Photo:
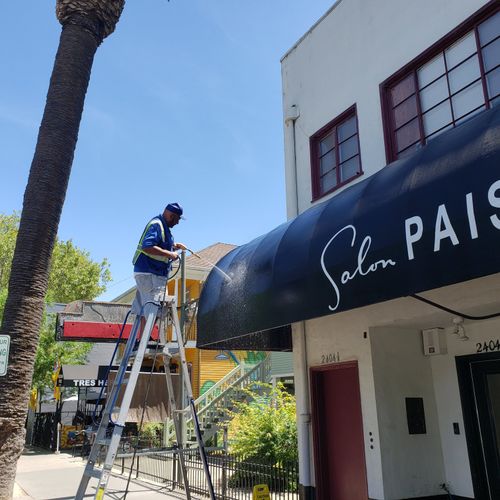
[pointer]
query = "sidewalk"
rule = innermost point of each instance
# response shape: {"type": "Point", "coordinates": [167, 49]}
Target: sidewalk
{"type": "Point", "coordinates": [42, 475]}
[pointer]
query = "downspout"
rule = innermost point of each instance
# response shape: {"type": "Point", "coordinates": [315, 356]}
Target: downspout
{"type": "Point", "coordinates": [299, 329]}
{"type": "Point", "coordinates": [292, 201]}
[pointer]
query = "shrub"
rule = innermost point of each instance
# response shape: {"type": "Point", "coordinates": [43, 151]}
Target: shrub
{"type": "Point", "coordinates": [151, 434]}
{"type": "Point", "coordinates": [263, 429]}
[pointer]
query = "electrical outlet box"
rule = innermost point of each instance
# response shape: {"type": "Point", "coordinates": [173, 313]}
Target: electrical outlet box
{"type": "Point", "coordinates": [434, 341]}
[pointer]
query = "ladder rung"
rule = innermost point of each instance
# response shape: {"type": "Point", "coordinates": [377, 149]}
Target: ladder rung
{"type": "Point", "coordinates": [93, 473]}
{"type": "Point", "coordinates": [174, 346]}
{"type": "Point", "coordinates": [104, 441]}
{"type": "Point", "coordinates": [150, 351]}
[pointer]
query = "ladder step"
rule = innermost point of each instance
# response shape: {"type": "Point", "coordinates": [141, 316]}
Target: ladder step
{"type": "Point", "coordinates": [104, 442]}
{"type": "Point", "coordinates": [93, 473]}
{"type": "Point", "coordinates": [173, 348]}
{"type": "Point", "coordinates": [150, 351]}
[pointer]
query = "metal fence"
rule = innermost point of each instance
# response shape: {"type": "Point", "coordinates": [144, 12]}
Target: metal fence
{"type": "Point", "coordinates": [44, 433]}
{"type": "Point", "coordinates": [233, 477]}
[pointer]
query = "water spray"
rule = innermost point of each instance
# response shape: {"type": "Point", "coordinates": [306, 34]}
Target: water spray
{"type": "Point", "coordinates": [211, 263]}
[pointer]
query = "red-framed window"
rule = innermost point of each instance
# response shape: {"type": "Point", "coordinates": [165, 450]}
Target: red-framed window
{"type": "Point", "coordinates": [335, 156]}
{"type": "Point", "coordinates": [449, 83]}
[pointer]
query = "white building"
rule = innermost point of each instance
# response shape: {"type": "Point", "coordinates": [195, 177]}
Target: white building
{"type": "Point", "coordinates": [392, 142]}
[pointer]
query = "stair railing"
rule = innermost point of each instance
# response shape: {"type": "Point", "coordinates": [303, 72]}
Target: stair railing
{"type": "Point", "coordinates": [205, 399]}
{"type": "Point", "coordinates": [215, 411]}
{"type": "Point", "coordinates": [221, 395]}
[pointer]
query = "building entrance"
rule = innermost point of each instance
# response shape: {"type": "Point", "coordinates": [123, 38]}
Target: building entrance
{"type": "Point", "coordinates": [479, 380]}
{"type": "Point", "coordinates": [338, 433]}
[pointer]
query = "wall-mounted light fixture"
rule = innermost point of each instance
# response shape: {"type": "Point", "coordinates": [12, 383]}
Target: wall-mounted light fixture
{"type": "Point", "coordinates": [459, 329]}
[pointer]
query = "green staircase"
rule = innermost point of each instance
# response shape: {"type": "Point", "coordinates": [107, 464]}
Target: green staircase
{"type": "Point", "coordinates": [212, 407]}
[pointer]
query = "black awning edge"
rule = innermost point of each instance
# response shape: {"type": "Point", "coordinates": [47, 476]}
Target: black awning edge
{"type": "Point", "coordinates": [276, 339]}
{"type": "Point", "coordinates": [423, 222]}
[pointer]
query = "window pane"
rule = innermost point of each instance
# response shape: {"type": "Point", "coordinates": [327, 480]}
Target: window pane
{"type": "Point", "coordinates": [346, 129]}
{"type": "Point", "coordinates": [470, 115]}
{"type": "Point", "coordinates": [468, 99]}
{"type": "Point", "coordinates": [460, 50]}
{"type": "Point", "coordinates": [327, 162]}
{"type": "Point", "coordinates": [407, 135]}
{"type": "Point", "coordinates": [490, 29]}
{"type": "Point", "coordinates": [349, 169]}
{"type": "Point", "coordinates": [439, 132]}
{"type": "Point", "coordinates": [433, 94]}
{"type": "Point", "coordinates": [430, 71]}
{"type": "Point", "coordinates": [493, 384]}
{"type": "Point", "coordinates": [464, 74]}
{"type": "Point", "coordinates": [491, 55]}
{"type": "Point", "coordinates": [496, 101]}
{"type": "Point", "coordinates": [437, 118]}
{"type": "Point", "coordinates": [493, 83]}
{"type": "Point", "coordinates": [405, 111]}
{"type": "Point", "coordinates": [326, 144]}
{"type": "Point", "coordinates": [403, 89]}
{"type": "Point", "coordinates": [348, 148]}
{"type": "Point", "coordinates": [409, 150]}
{"type": "Point", "coordinates": [328, 181]}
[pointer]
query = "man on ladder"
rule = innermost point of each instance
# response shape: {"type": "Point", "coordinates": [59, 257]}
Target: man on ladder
{"type": "Point", "coordinates": [154, 256]}
{"type": "Point", "coordinates": [152, 262]}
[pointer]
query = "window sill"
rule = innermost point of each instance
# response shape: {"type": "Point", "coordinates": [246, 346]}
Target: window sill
{"type": "Point", "coordinates": [337, 187]}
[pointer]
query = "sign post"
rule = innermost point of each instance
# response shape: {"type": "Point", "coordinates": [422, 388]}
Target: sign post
{"type": "Point", "coordinates": [4, 354]}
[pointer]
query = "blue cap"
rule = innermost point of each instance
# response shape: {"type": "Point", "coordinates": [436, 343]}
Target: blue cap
{"type": "Point", "coordinates": [175, 208]}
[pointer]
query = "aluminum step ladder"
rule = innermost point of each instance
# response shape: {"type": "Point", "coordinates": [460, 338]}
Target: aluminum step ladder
{"type": "Point", "coordinates": [108, 435]}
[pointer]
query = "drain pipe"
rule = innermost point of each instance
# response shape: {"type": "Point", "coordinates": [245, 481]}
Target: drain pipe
{"type": "Point", "coordinates": [299, 329]}
{"type": "Point", "coordinates": [292, 198]}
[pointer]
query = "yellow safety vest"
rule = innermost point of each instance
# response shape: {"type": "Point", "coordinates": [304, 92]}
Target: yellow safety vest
{"type": "Point", "coordinates": [139, 250]}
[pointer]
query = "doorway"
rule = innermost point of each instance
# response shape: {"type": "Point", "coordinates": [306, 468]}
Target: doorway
{"type": "Point", "coordinates": [339, 451]}
{"type": "Point", "coordinates": [479, 381]}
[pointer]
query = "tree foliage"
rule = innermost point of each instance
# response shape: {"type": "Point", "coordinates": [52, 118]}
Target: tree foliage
{"type": "Point", "coordinates": [73, 276]}
{"type": "Point", "coordinates": [151, 434]}
{"type": "Point", "coordinates": [264, 428]}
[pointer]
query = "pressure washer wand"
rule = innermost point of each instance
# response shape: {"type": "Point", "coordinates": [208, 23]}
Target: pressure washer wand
{"type": "Point", "coordinates": [193, 253]}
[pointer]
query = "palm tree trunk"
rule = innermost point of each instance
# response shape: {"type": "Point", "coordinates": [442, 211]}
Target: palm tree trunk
{"type": "Point", "coordinates": [43, 201]}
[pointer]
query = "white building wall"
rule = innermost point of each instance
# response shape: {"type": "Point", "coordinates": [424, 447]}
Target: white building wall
{"type": "Point", "coordinates": [391, 367]}
{"type": "Point", "coordinates": [344, 339]}
{"type": "Point", "coordinates": [412, 465]}
{"type": "Point", "coordinates": [448, 400]}
{"type": "Point", "coordinates": [343, 60]}
{"type": "Point", "coordinates": [101, 353]}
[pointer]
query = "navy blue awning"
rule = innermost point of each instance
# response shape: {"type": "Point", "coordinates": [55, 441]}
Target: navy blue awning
{"type": "Point", "coordinates": [430, 220]}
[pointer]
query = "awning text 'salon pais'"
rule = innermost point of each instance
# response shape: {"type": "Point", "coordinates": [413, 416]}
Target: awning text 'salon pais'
{"type": "Point", "coordinates": [426, 221]}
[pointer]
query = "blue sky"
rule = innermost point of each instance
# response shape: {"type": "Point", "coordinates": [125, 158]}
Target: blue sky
{"type": "Point", "coordinates": [184, 105]}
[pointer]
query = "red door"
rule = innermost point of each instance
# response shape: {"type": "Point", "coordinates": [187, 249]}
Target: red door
{"type": "Point", "coordinates": [338, 433]}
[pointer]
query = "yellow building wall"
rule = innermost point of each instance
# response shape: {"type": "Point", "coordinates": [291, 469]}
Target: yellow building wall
{"type": "Point", "coordinates": [212, 370]}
